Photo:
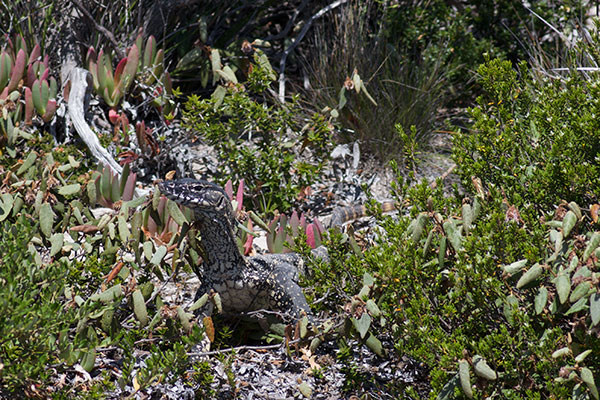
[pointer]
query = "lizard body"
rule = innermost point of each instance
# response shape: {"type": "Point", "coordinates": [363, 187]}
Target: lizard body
{"type": "Point", "coordinates": [243, 283]}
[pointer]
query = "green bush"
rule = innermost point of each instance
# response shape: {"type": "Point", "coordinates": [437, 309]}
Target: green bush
{"type": "Point", "coordinates": [538, 140]}
{"type": "Point", "coordinates": [33, 311]}
{"type": "Point", "coordinates": [448, 283]}
{"type": "Point", "coordinates": [263, 142]}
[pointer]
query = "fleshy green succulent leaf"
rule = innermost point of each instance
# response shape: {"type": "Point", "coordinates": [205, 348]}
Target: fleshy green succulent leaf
{"type": "Point", "coordinates": [175, 213]}
{"type": "Point", "coordinates": [88, 359]}
{"type": "Point", "coordinates": [129, 188]}
{"type": "Point", "coordinates": [123, 229]}
{"type": "Point", "coordinates": [575, 208]}
{"type": "Point", "coordinates": [29, 107]}
{"type": "Point", "coordinates": [111, 100]}
{"type": "Point", "coordinates": [467, 217]}
{"type": "Point", "coordinates": [109, 295]}
{"type": "Point", "coordinates": [53, 88]}
{"type": "Point", "coordinates": [582, 356]}
{"type": "Point", "coordinates": [167, 83]}
{"type": "Point", "coordinates": [45, 93]}
{"type": "Point", "coordinates": [149, 51]}
{"type": "Point", "coordinates": [123, 179]}
{"type": "Point", "coordinates": [133, 59]}
{"type": "Point", "coordinates": [294, 222]}
{"type": "Point", "coordinates": [56, 243]}
{"type": "Point", "coordinates": [442, 252]}
{"type": "Point", "coordinates": [115, 188]}
{"type": "Point", "coordinates": [158, 65]}
{"type": "Point", "coordinates": [5, 68]}
{"type": "Point", "coordinates": [18, 70]}
{"type": "Point", "coordinates": [139, 40]}
{"type": "Point", "coordinates": [50, 111]}
{"type": "Point", "coordinates": [36, 53]}
{"type": "Point", "coordinates": [418, 227]}
{"type": "Point", "coordinates": [239, 197]}
{"type": "Point", "coordinates": [118, 76]}
{"type": "Point", "coordinates": [105, 182]}
{"type": "Point", "coordinates": [6, 204]}
{"type": "Point", "coordinates": [157, 257]}
{"type": "Point", "coordinates": [268, 228]}
{"type": "Point", "coordinates": [201, 302]}
{"type": "Point", "coordinates": [69, 190]}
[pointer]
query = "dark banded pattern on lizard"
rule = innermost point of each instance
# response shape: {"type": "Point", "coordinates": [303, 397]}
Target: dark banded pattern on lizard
{"type": "Point", "coordinates": [342, 215]}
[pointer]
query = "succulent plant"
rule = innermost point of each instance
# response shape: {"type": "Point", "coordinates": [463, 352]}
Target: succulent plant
{"type": "Point", "coordinates": [43, 94]}
{"type": "Point", "coordinates": [106, 188]}
{"type": "Point", "coordinates": [151, 67]}
{"type": "Point", "coordinates": [283, 230]}
{"type": "Point", "coordinates": [24, 79]}
{"type": "Point", "coordinates": [11, 113]}
{"type": "Point", "coordinates": [112, 86]}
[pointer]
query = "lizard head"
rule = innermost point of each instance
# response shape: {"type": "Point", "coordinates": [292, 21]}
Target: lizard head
{"type": "Point", "coordinates": [204, 198]}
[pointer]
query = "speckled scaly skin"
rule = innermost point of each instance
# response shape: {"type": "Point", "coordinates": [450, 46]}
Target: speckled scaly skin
{"type": "Point", "coordinates": [243, 283]}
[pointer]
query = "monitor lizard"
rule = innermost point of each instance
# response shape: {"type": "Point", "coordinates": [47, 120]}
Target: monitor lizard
{"type": "Point", "coordinates": [244, 284]}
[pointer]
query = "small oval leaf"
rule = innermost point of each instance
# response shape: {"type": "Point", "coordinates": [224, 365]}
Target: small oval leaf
{"type": "Point", "coordinates": [540, 300]}
{"type": "Point", "coordinates": [563, 287]}
{"type": "Point", "coordinates": [465, 378]}
{"type": "Point", "coordinates": [482, 369]}
{"type": "Point", "coordinates": [595, 308]}
{"type": "Point", "coordinates": [568, 223]}
{"type": "Point", "coordinates": [69, 190]}
{"type": "Point", "coordinates": [514, 267]}
{"type": "Point", "coordinates": [531, 275]}
{"type": "Point", "coordinates": [139, 307]}
{"type": "Point", "coordinates": [46, 219]}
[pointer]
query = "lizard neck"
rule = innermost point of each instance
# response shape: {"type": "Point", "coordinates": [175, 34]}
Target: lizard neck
{"type": "Point", "coordinates": [218, 244]}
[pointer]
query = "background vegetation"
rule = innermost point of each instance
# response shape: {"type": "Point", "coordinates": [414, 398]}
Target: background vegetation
{"type": "Point", "coordinates": [493, 287]}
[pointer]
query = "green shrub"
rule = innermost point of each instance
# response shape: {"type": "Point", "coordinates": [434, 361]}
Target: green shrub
{"type": "Point", "coordinates": [536, 140]}
{"type": "Point", "coordinates": [452, 292]}
{"type": "Point", "coordinates": [265, 143]}
{"type": "Point", "coordinates": [33, 311]}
